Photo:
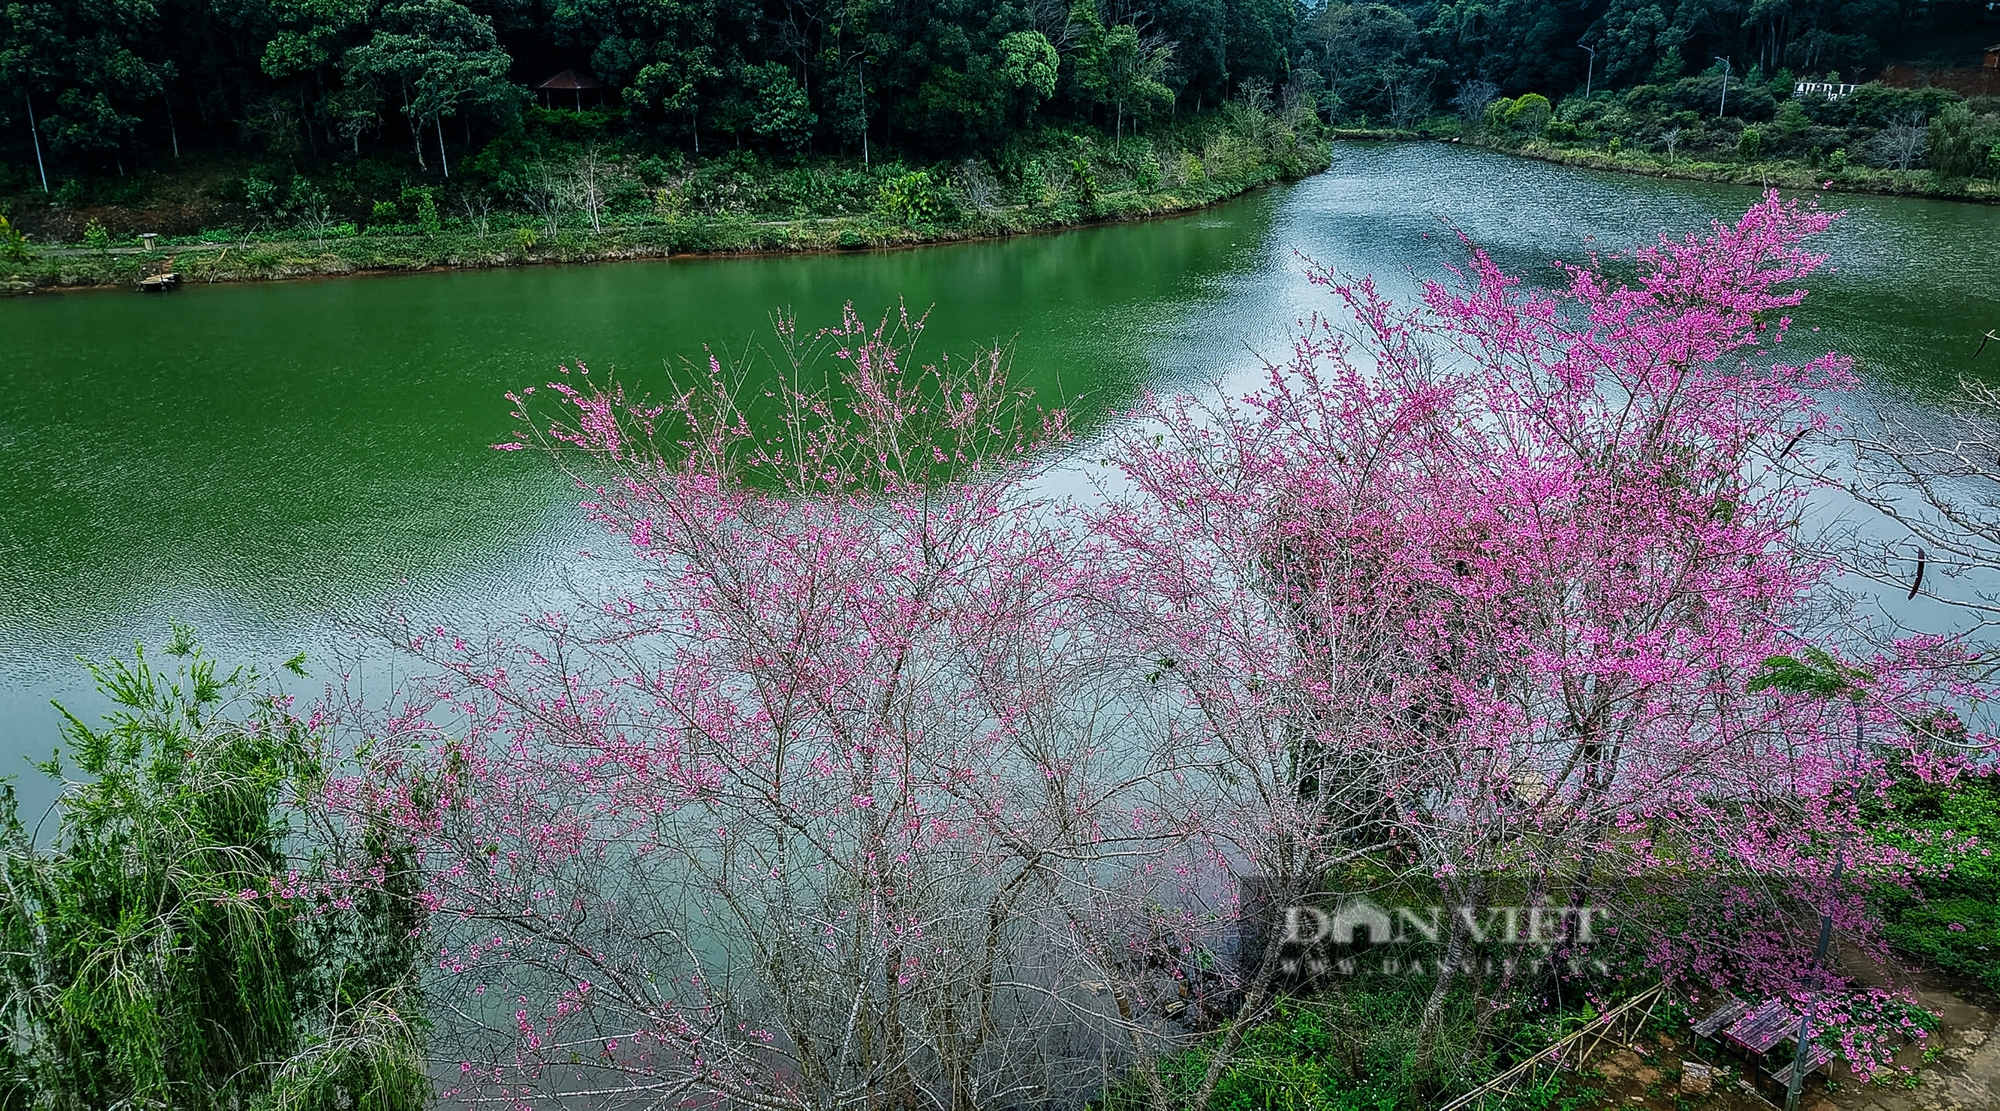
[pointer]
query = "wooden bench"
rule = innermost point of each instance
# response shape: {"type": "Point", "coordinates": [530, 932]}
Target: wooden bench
{"type": "Point", "coordinates": [1816, 1056]}
{"type": "Point", "coordinates": [1770, 1023]}
{"type": "Point", "coordinates": [1712, 1023]}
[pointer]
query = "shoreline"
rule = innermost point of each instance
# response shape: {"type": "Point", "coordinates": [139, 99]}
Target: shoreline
{"type": "Point", "coordinates": [1789, 176]}
{"type": "Point", "coordinates": [79, 269]}
{"type": "Point", "coordinates": [73, 269]}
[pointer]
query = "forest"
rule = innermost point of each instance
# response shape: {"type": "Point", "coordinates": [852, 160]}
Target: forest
{"type": "Point", "coordinates": [102, 88]}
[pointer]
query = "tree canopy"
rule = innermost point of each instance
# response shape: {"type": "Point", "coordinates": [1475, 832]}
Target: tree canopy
{"type": "Point", "coordinates": [117, 83]}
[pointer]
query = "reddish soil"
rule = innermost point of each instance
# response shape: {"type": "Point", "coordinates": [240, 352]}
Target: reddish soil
{"type": "Point", "coordinates": [1965, 80]}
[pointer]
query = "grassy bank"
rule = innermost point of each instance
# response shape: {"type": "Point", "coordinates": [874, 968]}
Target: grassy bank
{"type": "Point", "coordinates": [646, 207]}
{"type": "Point", "coordinates": [1787, 174]}
{"type": "Point", "coordinates": [1791, 175]}
{"type": "Point", "coordinates": [1909, 142]}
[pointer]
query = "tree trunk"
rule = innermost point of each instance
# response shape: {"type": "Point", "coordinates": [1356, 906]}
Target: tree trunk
{"type": "Point", "coordinates": [1454, 954]}
{"type": "Point", "coordinates": [1256, 997]}
{"type": "Point", "coordinates": [37, 133]}
{"type": "Point", "coordinates": [443, 163]}
{"type": "Point", "coordinates": [305, 121]}
{"type": "Point", "coordinates": [416, 130]}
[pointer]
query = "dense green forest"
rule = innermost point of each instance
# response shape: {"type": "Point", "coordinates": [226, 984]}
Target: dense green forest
{"type": "Point", "coordinates": [101, 87]}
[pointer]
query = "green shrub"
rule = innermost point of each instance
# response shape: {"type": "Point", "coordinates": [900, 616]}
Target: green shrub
{"type": "Point", "coordinates": [1877, 105]}
{"type": "Point", "coordinates": [149, 953]}
{"type": "Point", "coordinates": [13, 244]}
{"type": "Point", "coordinates": [1791, 121]}
{"type": "Point", "coordinates": [1953, 922]}
{"type": "Point", "coordinates": [95, 237]}
{"type": "Point", "coordinates": [917, 197]}
{"type": "Point", "coordinates": [1837, 161]}
{"type": "Point", "coordinates": [1749, 144]}
{"type": "Point", "coordinates": [259, 196]}
{"type": "Point", "coordinates": [1948, 147]}
{"type": "Point", "coordinates": [1147, 176]}
{"type": "Point", "coordinates": [1529, 114]}
{"type": "Point", "coordinates": [1645, 100]}
{"type": "Point", "coordinates": [427, 213]}
{"type": "Point", "coordinates": [1083, 180]}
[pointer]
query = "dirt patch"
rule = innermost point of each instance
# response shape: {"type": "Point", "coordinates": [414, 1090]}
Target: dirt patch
{"type": "Point", "coordinates": [183, 200]}
{"type": "Point", "coordinates": [1966, 81]}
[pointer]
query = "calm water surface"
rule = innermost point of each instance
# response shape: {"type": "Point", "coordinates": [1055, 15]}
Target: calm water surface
{"type": "Point", "coordinates": [272, 463]}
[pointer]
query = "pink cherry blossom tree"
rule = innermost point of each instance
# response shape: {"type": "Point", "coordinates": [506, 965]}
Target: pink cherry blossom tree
{"type": "Point", "coordinates": [885, 779]}
{"type": "Point", "coordinates": [831, 807]}
{"type": "Point", "coordinates": [1507, 582]}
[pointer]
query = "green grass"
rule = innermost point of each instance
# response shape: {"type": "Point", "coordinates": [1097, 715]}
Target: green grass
{"type": "Point", "coordinates": [1353, 1048]}
{"type": "Point", "coordinates": [1952, 922]}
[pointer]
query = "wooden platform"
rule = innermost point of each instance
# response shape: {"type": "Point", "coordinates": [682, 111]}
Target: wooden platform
{"type": "Point", "coordinates": [159, 283]}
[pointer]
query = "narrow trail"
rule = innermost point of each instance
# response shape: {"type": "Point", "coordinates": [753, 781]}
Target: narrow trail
{"type": "Point", "coordinates": [1958, 1069]}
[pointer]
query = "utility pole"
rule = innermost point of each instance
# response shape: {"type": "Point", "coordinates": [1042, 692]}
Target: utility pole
{"type": "Point", "coordinates": [1797, 1083]}
{"type": "Point", "coordinates": [37, 133]}
{"type": "Point", "coordinates": [1590, 73]}
{"type": "Point", "coordinates": [1726, 68]}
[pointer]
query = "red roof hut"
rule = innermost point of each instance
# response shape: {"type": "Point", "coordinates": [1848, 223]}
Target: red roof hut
{"type": "Point", "coordinates": [572, 82]}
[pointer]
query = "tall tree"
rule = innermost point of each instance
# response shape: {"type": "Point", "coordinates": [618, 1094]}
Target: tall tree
{"type": "Point", "coordinates": [85, 69]}
{"type": "Point", "coordinates": [442, 59]}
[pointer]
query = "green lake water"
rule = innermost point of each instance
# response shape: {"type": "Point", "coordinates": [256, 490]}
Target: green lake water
{"type": "Point", "coordinates": [273, 463]}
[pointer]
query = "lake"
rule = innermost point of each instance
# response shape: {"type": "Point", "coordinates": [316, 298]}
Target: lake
{"type": "Point", "coordinates": [275, 463]}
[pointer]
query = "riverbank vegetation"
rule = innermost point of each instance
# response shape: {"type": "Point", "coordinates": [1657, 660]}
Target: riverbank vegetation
{"type": "Point", "coordinates": [428, 132]}
{"type": "Point", "coordinates": [190, 926]}
{"type": "Point", "coordinates": [578, 195]}
{"type": "Point", "coordinates": [1927, 142]}
{"type": "Point", "coordinates": [1794, 96]}
{"type": "Point", "coordinates": [898, 124]}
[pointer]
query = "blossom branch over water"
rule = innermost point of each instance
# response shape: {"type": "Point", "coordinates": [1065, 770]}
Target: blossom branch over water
{"type": "Point", "coordinates": [894, 779]}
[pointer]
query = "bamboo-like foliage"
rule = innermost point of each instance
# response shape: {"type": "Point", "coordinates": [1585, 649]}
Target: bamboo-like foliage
{"type": "Point", "coordinates": [169, 944]}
